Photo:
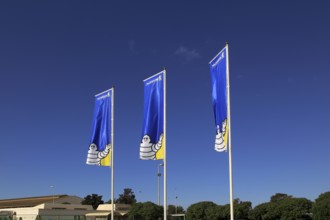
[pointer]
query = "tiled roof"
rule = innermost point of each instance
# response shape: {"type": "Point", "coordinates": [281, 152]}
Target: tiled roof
{"type": "Point", "coordinates": [28, 202]}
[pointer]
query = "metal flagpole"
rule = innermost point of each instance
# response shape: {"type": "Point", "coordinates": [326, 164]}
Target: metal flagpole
{"type": "Point", "coordinates": [112, 152]}
{"type": "Point", "coordinates": [229, 140]}
{"type": "Point", "coordinates": [165, 164]}
{"type": "Point", "coordinates": [159, 175]}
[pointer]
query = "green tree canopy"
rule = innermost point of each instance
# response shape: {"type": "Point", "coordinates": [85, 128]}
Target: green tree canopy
{"type": "Point", "coordinates": [295, 208]}
{"type": "Point", "coordinates": [128, 197]}
{"type": "Point", "coordinates": [242, 209]}
{"type": "Point", "coordinates": [201, 211]}
{"type": "Point", "coordinates": [145, 211]}
{"type": "Point", "coordinates": [93, 200]}
{"type": "Point", "coordinates": [172, 209]}
{"type": "Point", "coordinates": [282, 207]}
{"type": "Point", "coordinates": [217, 213]}
{"type": "Point", "coordinates": [211, 211]}
{"type": "Point", "coordinates": [259, 211]}
{"type": "Point", "coordinates": [321, 207]}
{"type": "Point", "coordinates": [279, 197]}
{"type": "Point", "coordinates": [135, 211]}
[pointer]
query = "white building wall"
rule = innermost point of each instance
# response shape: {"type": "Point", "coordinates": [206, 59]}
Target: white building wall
{"type": "Point", "coordinates": [24, 213]}
{"type": "Point", "coordinates": [52, 212]}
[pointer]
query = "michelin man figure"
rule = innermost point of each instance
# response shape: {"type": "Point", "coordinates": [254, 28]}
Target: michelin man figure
{"type": "Point", "coordinates": [148, 150]}
{"type": "Point", "coordinates": [94, 156]}
{"type": "Point", "coordinates": [220, 144]}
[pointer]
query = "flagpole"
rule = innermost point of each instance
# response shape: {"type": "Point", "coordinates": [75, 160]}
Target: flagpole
{"type": "Point", "coordinates": [165, 164]}
{"type": "Point", "coordinates": [229, 140]}
{"type": "Point", "coordinates": [112, 152]}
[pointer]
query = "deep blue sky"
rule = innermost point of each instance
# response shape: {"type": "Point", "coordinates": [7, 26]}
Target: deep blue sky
{"type": "Point", "coordinates": [56, 55]}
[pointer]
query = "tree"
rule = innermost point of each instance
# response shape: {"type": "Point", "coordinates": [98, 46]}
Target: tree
{"type": "Point", "coordinates": [201, 211]}
{"type": "Point", "coordinates": [109, 201]}
{"type": "Point", "coordinates": [224, 212]}
{"type": "Point", "coordinates": [279, 197]}
{"type": "Point", "coordinates": [282, 207]}
{"type": "Point", "coordinates": [128, 197]}
{"type": "Point", "coordinates": [321, 207]}
{"type": "Point", "coordinates": [216, 213]}
{"type": "Point", "coordinates": [273, 211]}
{"type": "Point", "coordinates": [172, 209]}
{"type": "Point", "coordinates": [180, 209]}
{"type": "Point", "coordinates": [145, 211]}
{"type": "Point", "coordinates": [135, 211]}
{"type": "Point", "coordinates": [259, 211]}
{"type": "Point", "coordinates": [93, 200]}
{"type": "Point", "coordinates": [295, 208]}
{"type": "Point", "coordinates": [242, 209]}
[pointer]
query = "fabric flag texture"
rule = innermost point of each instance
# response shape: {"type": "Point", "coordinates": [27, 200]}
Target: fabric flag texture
{"type": "Point", "coordinates": [99, 152]}
{"type": "Point", "coordinates": [219, 80]}
{"type": "Point", "coordinates": [152, 143]}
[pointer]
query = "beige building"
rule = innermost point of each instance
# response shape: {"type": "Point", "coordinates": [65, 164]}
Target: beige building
{"type": "Point", "coordinates": [103, 212]}
{"type": "Point", "coordinates": [57, 207]}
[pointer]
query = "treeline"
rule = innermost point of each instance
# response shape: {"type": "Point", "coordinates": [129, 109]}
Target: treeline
{"type": "Point", "coordinates": [280, 207]}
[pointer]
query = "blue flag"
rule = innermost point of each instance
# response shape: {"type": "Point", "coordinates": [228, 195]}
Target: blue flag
{"type": "Point", "coordinates": [152, 143]}
{"type": "Point", "coordinates": [99, 152]}
{"type": "Point", "coordinates": [219, 78]}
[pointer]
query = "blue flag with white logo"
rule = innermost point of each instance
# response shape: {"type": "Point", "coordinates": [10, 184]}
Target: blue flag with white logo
{"type": "Point", "coordinates": [219, 80]}
{"type": "Point", "coordinates": [152, 143]}
{"type": "Point", "coordinates": [99, 152]}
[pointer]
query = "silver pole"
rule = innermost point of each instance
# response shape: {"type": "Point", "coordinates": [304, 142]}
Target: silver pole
{"type": "Point", "coordinates": [159, 175]}
{"type": "Point", "coordinates": [229, 141]}
{"type": "Point", "coordinates": [112, 153]}
{"type": "Point", "coordinates": [165, 164]}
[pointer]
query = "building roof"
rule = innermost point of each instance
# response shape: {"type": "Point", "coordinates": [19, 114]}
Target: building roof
{"type": "Point", "coordinates": [29, 201]}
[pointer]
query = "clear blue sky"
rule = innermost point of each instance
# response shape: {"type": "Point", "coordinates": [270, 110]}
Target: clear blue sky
{"type": "Point", "coordinates": [56, 55]}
